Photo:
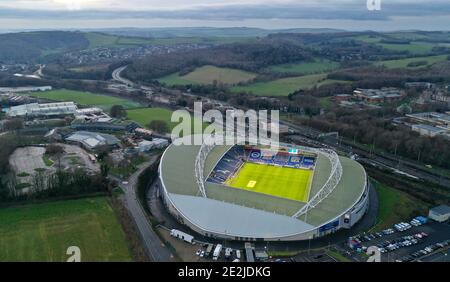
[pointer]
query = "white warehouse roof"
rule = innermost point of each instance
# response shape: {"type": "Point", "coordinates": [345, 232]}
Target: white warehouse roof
{"type": "Point", "coordinates": [47, 109]}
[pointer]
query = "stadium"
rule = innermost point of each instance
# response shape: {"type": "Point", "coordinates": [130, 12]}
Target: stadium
{"type": "Point", "coordinates": [253, 193]}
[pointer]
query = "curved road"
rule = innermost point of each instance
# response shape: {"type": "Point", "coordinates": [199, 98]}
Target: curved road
{"type": "Point", "coordinates": [116, 76]}
{"type": "Point", "coordinates": [154, 247]}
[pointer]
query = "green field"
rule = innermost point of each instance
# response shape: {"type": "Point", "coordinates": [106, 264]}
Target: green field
{"type": "Point", "coordinates": [285, 86]}
{"type": "Point", "coordinates": [84, 98]}
{"type": "Point", "coordinates": [43, 232]}
{"type": "Point", "coordinates": [144, 116]}
{"type": "Point", "coordinates": [395, 206]}
{"type": "Point", "coordinates": [306, 68]}
{"type": "Point", "coordinates": [414, 47]}
{"type": "Point", "coordinates": [403, 63]}
{"type": "Point", "coordinates": [282, 182]}
{"type": "Point", "coordinates": [207, 75]}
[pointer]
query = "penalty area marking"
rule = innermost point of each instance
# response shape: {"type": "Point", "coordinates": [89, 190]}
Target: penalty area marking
{"type": "Point", "coordinates": [251, 184]}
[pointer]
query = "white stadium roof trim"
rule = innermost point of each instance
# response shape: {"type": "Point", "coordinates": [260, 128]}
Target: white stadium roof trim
{"type": "Point", "coordinates": [242, 215]}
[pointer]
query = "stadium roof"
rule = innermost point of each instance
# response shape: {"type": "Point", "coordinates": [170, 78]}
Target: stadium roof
{"type": "Point", "coordinates": [230, 210]}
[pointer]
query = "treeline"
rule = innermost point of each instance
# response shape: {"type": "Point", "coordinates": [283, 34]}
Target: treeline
{"type": "Point", "coordinates": [245, 56]}
{"type": "Point", "coordinates": [145, 178]}
{"type": "Point", "coordinates": [60, 71]}
{"type": "Point", "coordinates": [376, 130]}
{"type": "Point", "coordinates": [60, 184]}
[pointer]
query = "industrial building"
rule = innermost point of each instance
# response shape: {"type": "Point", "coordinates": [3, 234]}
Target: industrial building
{"type": "Point", "coordinates": [430, 124]}
{"type": "Point", "coordinates": [440, 213]}
{"type": "Point", "coordinates": [92, 140]}
{"type": "Point", "coordinates": [155, 143]}
{"type": "Point", "coordinates": [25, 89]}
{"type": "Point", "coordinates": [376, 96]}
{"type": "Point", "coordinates": [47, 110]}
{"type": "Point", "coordinates": [428, 130]}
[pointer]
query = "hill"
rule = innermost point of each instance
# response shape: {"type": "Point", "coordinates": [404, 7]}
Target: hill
{"type": "Point", "coordinates": [27, 46]}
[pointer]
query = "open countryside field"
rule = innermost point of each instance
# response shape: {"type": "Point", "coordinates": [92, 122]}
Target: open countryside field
{"type": "Point", "coordinates": [43, 232]}
{"type": "Point", "coordinates": [282, 182]}
{"type": "Point", "coordinates": [320, 65]}
{"type": "Point", "coordinates": [84, 98]}
{"type": "Point", "coordinates": [413, 47]}
{"type": "Point", "coordinates": [403, 63]}
{"type": "Point", "coordinates": [207, 75]}
{"type": "Point", "coordinates": [285, 86]}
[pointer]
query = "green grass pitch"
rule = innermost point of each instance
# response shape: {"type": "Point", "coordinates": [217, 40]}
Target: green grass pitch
{"type": "Point", "coordinates": [44, 231]}
{"type": "Point", "coordinates": [282, 182]}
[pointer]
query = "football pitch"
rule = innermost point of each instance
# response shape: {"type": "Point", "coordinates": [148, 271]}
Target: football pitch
{"type": "Point", "coordinates": [44, 231]}
{"type": "Point", "coordinates": [282, 182]}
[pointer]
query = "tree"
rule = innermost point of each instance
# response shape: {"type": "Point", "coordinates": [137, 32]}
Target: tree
{"type": "Point", "coordinates": [13, 124]}
{"type": "Point", "coordinates": [158, 126]}
{"type": "Point", "coordinates": [54, 150]}
{"type": "Point", "coordinates": [118, 111]}
{"type": "Point", "coordinates": [104, 170]}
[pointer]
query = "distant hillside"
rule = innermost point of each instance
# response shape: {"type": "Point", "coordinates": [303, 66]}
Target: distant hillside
{"type": "Point", "coordinates": [30, 46]}
{"type": "Point", "coordinates": [209, 31]}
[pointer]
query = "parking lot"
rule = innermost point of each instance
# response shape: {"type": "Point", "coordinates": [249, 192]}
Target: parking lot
{"type": "Point", "coordinates": [435, 233]}
{"type": "Point", "coordinates": [442, 256]}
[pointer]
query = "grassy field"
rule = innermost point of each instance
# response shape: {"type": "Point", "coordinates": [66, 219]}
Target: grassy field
{"type": "Point", "coordinates": [43, 232]}
{"type": "Point", "coordinates": [403, 63]}
{"type": "Point", "coordinates": [282, 182]}
{"type": "Point", "coordinates": [306, 68]}
{"type": "Point", "coordinates": [47, 160]}
{"type": "Point", "coordinates": [144, 116]}
{"type": "Point", "coordinates": [395, 206]}
{"type": "Point", "coordinates": [207, 75]}
{"type": "Point", "coordinates": [97, 40]}
{"type": "Point", "coordinates": [414, 47]}
{"type": "Point", "coordinates": [285, 86]}
{"type": "Point", "coordinates": [84, 98]}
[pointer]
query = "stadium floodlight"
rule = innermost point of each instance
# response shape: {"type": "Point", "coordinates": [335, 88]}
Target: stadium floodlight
{"type": "Point", "coordinates": [331, 183]}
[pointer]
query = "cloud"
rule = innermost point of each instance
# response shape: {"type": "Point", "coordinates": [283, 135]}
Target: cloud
{"type": "Point", "coordinates": [222, 10]}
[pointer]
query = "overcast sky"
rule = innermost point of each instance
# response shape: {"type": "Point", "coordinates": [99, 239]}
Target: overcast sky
{"type": "Point", "coordinates": [344, 14]}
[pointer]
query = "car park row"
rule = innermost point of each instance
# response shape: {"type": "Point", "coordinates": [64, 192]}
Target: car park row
{"type": "Point", "coordinates": [425, 251]}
